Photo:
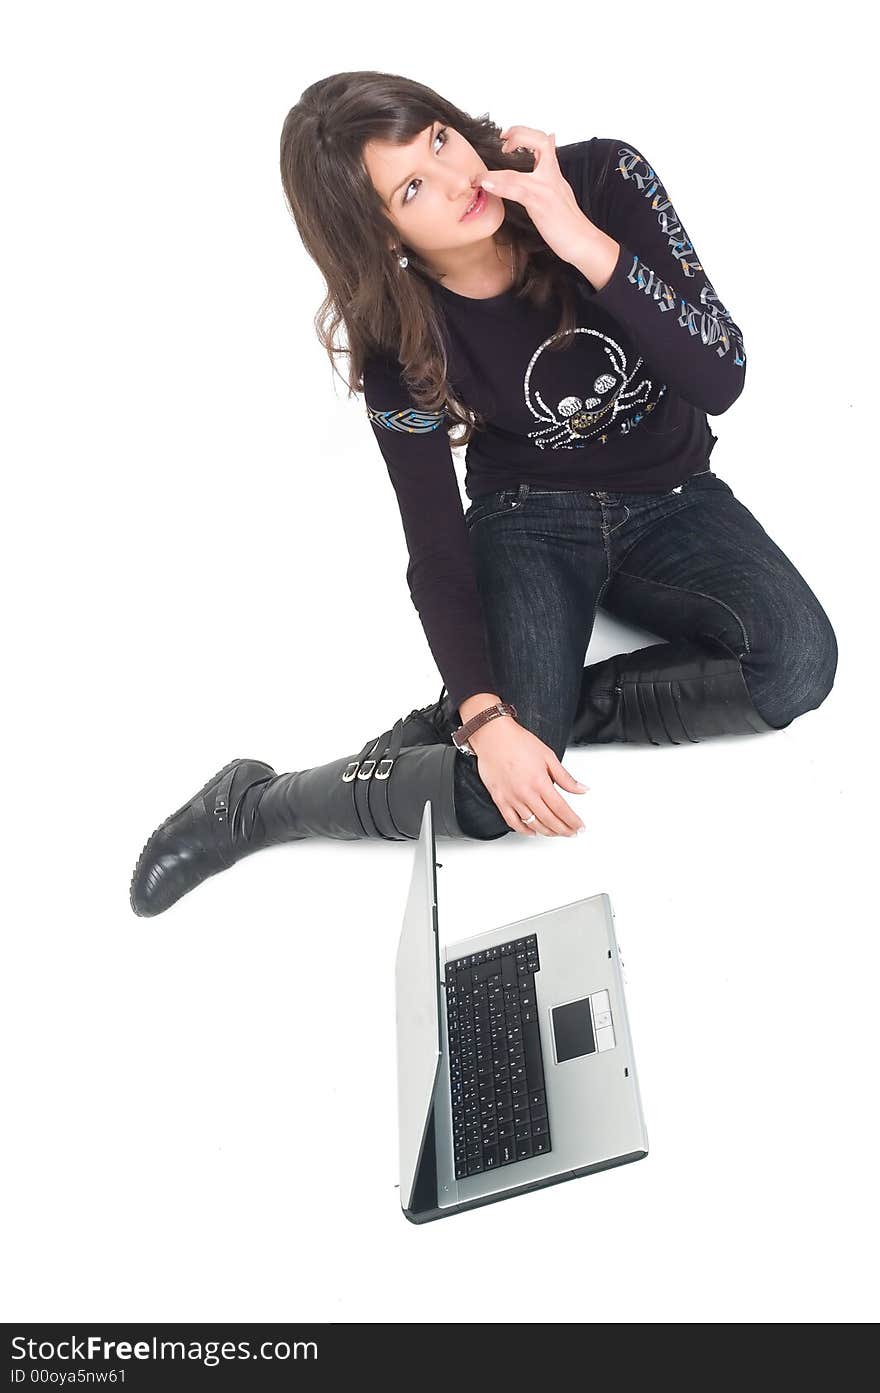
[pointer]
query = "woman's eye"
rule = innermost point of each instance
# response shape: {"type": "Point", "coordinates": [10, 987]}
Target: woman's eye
{"type": "Point", "coordinates": [442, 131]}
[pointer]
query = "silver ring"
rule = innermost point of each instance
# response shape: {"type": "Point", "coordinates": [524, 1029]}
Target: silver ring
{"type": "Point", "coordinates": [533, 818]}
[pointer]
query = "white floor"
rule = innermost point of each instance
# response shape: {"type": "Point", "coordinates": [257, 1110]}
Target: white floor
{"type": "Point", "coordinates": [204, 1104]}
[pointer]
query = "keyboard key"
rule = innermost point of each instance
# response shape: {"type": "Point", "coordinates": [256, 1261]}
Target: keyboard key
{"type": "Point", "coordinates": [540, 1145]}
{"type": "Point", "coordinates": [523, 1150]}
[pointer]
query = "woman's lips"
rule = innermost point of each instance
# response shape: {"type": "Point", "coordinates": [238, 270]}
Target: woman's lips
{"type": "Point", "coordinates": [482, 200]}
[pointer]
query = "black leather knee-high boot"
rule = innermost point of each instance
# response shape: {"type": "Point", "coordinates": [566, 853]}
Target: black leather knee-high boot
{"type": "Point", "coordinates": [246, 806]}
{"type": "Point", "coordinates": [432, 725]}
{"type": "Point", "coordinates": [670, 693]}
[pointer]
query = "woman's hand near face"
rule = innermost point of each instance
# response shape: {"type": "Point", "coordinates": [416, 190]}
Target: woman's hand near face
{"type": "Point", "coordinates": [545, 193]}
{"type": "Point", "coordinates": [521, 773]}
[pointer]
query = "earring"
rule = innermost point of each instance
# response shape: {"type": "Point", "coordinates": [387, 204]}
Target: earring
{"type": "Point", "coordinates": [403, 261]}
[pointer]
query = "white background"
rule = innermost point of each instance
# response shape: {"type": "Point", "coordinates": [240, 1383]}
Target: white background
{"type": "Point", "coordinates": [203, 559]}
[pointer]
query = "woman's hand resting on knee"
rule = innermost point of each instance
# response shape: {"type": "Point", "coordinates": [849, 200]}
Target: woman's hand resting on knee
{"type": "Point", "coordinates": [521, 773]}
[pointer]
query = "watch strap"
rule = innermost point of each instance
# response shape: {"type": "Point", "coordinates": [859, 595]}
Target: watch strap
{"type": "Point", "coordinates": [462, 735]}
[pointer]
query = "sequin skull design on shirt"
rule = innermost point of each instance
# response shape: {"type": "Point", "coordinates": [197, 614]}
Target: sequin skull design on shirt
{"type": "Point", "coordinates": [601, 393]}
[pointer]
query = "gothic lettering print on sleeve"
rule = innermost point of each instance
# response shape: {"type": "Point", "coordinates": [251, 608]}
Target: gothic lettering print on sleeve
{"type": "Point", "coordinates": [659, 289]}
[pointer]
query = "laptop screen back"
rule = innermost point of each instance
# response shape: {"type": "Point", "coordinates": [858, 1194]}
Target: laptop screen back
{"type": "Point", "coordinates": [418, 1008]}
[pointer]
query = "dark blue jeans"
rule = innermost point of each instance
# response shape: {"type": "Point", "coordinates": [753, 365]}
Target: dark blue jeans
{"type": "Point", "coordinates": [691, 563]}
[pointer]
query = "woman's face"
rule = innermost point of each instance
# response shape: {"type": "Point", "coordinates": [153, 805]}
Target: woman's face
{"type": "Point", "coordinates": [426, 187]}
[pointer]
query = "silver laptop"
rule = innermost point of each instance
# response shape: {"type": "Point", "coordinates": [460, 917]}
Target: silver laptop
{"type": "Point", "coordinates": [515, 1065]}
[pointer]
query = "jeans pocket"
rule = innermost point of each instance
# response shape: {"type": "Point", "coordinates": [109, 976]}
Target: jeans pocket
{"type": "Point", "coordinates": [491, 505]}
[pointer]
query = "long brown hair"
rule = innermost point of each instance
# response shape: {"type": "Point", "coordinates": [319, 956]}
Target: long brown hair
{"type": "Point", "coordinates": [345, 227]}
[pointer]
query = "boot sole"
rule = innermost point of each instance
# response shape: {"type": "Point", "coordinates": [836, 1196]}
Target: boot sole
{"type": "Point", "coordinates": [162, 825]}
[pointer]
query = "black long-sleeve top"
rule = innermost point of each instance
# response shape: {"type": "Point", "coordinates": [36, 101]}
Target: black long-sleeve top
{"type": "Point", "coordinates": [623, 409]}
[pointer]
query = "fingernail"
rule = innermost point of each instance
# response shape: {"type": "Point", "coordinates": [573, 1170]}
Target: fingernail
{"type": "Point", "coordinates": [487, 183]}
{"type": "Point", "coordinates": [585, 787]}
{"type": "Point", "coordinates": [580, 830]}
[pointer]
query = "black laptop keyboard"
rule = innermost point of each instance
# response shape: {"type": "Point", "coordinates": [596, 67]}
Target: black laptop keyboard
{"type": "Point", "coordinates": [499, 1107]}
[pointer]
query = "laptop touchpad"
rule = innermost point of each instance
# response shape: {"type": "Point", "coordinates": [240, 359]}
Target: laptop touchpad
{"type": "Point", "coordinates": [573, 1030]}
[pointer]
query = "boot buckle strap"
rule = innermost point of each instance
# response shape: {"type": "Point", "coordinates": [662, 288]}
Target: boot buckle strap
{"type": "Point", "coordinates": [350, 771]}
{"type": "Point", "coordinates": [385, 767]}
{"type": "Point", "coordinates": [366, 768]}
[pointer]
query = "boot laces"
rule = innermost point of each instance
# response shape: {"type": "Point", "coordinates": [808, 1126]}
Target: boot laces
{"type": "Point", "coordinates": [431, 717]}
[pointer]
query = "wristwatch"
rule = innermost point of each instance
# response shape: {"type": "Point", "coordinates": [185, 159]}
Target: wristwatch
{"type": "Point", "coordinates": [461, 736]}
